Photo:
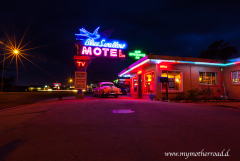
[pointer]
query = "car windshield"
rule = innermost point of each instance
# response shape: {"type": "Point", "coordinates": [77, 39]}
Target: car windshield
{"type": "Point", "coordinates": [107, 85]}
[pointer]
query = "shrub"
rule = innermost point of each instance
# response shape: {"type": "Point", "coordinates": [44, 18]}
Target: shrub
{"type": "Point", "coordinates": [192, 94]}
{"type": "Point", "coordinates": [163, 98]}
{"type": "Point", "coordinates": [216, 98]}
{"type": "Point", "coordinates": [207, 93]}
{"type": "Point", "coordinates": [180, 96]}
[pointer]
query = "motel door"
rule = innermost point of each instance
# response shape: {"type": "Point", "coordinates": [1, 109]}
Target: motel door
{"type": "Point", "coordinates": [140, 86]}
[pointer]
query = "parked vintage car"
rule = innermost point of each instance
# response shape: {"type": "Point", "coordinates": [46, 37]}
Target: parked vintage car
{"type": "Point", "coordinates": [106, 89]}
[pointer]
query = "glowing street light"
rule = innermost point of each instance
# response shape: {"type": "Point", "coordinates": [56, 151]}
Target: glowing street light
{"type": "Point", "coordinates": [15, 51]}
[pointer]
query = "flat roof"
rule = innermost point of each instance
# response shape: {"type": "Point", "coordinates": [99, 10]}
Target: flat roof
{"type": "Point", "coordinates": [158, 59]}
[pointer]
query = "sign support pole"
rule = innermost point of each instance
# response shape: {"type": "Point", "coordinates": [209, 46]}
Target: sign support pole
{"type": "Point", "coordinates": [80, 94]}
{"type": "Point", "coordinates": [80, 90]}
{"type": "Point", "coordinates": [167, 90]}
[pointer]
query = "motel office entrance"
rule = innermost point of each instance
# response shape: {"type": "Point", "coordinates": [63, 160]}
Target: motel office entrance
{"type": "Point", "coordinates": [140, 86]}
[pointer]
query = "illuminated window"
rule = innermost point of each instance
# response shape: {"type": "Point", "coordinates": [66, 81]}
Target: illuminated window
{"type": "Point", "coordinates": [235, 77]}
{"type": "Point", "coordinates": [207, 78]}
{"type": "Point", "coordinates": [149, 82]}
{"type": "Point", "coordinates": [175, 80]}
{"type": "Point", "coordinates": [135, 84]}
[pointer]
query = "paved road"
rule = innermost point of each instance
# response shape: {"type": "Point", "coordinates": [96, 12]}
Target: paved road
{"type": "Point", "coordinates": [95, 129]}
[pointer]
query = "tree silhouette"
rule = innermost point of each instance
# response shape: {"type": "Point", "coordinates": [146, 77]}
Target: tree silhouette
{"type": "Point", "coordinates": [219, 50]}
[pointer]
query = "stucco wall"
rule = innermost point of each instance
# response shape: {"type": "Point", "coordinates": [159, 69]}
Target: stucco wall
{"type": "Point", "coordinates": [190, 78]}
{"type": "Point", "coordinates": [233, 90]}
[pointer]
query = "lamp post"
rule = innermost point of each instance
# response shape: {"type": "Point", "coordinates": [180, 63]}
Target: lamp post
{"type": "Point", "coordinates": [2, 73]}
{"type": "Point", "coordinates": [15, 51]}
{"type": "Point", "coordinates": [70, 82]}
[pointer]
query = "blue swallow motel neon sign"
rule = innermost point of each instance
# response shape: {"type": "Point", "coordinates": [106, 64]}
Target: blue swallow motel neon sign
{"type": "Point", "coordinates": [90, 39]}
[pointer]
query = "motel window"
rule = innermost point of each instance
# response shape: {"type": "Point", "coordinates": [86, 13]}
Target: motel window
{"type": "Point", "coordinates": [149, 82]}
{"type": "Point", "coordinates": [135, 84]}
{"type": "Point", "coordinates": [235, 77]}
{"type": "Point", "coordinates": [175, 80]}
{"type": "Point", "coordinates": [207, 78]}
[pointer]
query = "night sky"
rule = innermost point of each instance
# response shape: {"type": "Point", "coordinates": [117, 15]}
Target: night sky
{"type": "Point", "coordinates": [171, 27]}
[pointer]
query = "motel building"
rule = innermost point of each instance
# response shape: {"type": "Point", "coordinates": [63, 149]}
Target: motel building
{"type": "Point", "coordinates": [184, 73]}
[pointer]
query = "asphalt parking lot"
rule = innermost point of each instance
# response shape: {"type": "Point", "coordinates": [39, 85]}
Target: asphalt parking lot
{"type": "Point", "coordinates": [117, 129]}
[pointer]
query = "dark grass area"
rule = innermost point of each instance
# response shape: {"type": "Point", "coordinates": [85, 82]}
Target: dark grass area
{"type": "Point", "coordinates": [13, 99]}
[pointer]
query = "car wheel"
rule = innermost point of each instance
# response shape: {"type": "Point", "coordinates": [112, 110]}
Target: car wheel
{"type": "Point", "coordinates": [101, 95]}
{"type": "Point", "coordinates": [116, 96]}
{"type": "Point", "coordinates": [106, 95]}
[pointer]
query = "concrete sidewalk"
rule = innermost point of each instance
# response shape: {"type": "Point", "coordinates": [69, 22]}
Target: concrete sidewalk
{"type": "Point", "coordinates": [89, 130]}
{"type": "Point", "coordinates": [222, 104]}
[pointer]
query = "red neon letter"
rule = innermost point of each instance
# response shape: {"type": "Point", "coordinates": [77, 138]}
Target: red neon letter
{"type": "Point", "coordinates": [83, 64]}
{"type": "Point", "coordinates": [163, 66]}
{"type": "Point", "coordinates": [121, 55]}
{"type": "Point", "coordinates": [113, 52]}
{"type": "Point", "coordinates": [105, 50]}
{"type": "Point", "coordinates": [86, 51]}
{"type": "Point", "coordinates": [97, 51]}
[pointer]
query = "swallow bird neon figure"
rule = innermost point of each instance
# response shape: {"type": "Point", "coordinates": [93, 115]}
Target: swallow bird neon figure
{"type": "Point", "coordinates": [85, 33]}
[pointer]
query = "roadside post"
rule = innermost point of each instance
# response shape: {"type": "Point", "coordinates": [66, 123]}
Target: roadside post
{"type": "Point", "coordinates": [164, 81]}
{"type": "Point", "coordinates": [80, 84]}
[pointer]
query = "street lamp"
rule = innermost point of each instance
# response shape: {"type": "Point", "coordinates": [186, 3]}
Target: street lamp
{"type": "Point", "coordinates": [70, 82]}
{"type": "Point", "coordinates": [15, 51]}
